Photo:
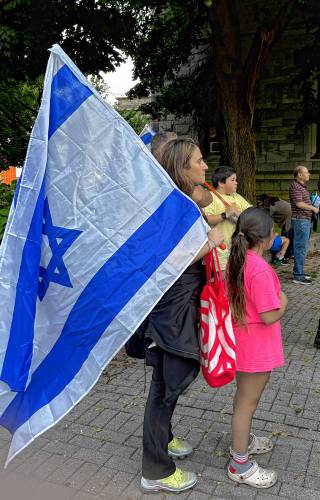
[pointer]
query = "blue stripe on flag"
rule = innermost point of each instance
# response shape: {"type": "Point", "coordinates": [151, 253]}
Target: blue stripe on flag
{"type": "Point", "coordinates": [100, 302]}
{"type": "Point", "coordinates": [18, 355]}
{"type": "Point", "coordinates": [146, 138]}
{"type": "Point", "coordinates": [67, 94]}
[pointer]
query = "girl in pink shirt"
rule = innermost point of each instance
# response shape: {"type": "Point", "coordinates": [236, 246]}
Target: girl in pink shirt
{"type": "Point", "coordinates": [257, 304]}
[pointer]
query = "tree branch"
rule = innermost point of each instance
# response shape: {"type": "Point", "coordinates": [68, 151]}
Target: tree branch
{"type": "Point", "coordinates": [16, 98]}
{"type": "Point", "coordinates": [225, 26]}
{"type": "Point", "coordinates": [11, 119]}
{"type": "Point", "coordinates": [264, 38]}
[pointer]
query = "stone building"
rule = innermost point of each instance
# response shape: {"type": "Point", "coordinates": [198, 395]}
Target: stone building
{"type": "Point", "coordinates": [278, 106]}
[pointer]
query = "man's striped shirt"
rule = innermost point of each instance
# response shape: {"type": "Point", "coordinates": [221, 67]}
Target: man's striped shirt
{"type": "Point", "coordinates": [297, 193]}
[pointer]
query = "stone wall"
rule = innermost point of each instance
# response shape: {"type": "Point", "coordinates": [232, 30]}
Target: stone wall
{"type": "Point", "coordinates": [279, 146]}
{"type": "Point", "coordinates": [182, 126]}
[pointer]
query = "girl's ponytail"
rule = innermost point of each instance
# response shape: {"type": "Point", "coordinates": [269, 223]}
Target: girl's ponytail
{"type": "Point", "coordinates": [235, 276]}
{"type": "Point", "coordinates": [254, 226]}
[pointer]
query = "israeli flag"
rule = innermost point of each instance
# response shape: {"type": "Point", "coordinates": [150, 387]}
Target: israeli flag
{"type": "Point", "coordinates": [97, 234]}
{"type": "Point", "coordinates": [146, 135]}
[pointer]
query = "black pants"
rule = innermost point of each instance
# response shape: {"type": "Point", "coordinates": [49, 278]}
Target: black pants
{"type": "Point", "coordinates": [171, 376]}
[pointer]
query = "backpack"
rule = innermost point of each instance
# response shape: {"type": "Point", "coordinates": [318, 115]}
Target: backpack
{"type": "Point", "coordinates": [216, 337]}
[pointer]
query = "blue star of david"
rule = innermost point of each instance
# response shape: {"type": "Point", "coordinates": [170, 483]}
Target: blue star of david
{"type": "Point", "coordinates": [60, 239]}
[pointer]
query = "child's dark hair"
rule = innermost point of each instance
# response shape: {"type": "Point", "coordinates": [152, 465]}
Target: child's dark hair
{"type": "Point", "coordinates": [221, 174]}
{"type": "Point", "coordinates": [254, 226]}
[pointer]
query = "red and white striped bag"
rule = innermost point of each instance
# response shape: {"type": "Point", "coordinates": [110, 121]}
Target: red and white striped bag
{"type": "Point", "coordinates": [216, 337]}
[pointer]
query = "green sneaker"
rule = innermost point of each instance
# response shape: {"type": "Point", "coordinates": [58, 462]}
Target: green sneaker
{"type": "Point", "coordinates": [178, 481]}
{"type": "Point", "coordinates": [179, 448]}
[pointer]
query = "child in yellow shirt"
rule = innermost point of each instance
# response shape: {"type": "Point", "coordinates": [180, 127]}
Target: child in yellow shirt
{"type": "Point", "coordinates": [225, 207]}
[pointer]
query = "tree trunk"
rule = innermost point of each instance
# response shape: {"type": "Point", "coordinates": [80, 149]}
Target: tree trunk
{"type": "Point", "coordinates": [239, 143]}
{"type": "Point", "coordinates": [239, 139]}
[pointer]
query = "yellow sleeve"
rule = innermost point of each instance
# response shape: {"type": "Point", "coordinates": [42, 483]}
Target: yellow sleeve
{"type": "Point", "coordinates": [216, 207]}
{"type": "Point", "coordinates": [242, 202]}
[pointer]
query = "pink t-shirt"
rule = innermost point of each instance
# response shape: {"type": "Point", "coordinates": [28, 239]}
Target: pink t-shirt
{"type": "Point", "coordinates": [259, 348]}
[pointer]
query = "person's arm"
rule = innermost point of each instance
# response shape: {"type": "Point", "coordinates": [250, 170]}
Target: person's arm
{"type": "Point", "coordinates": [306, 206]}
{"type": "Point", "coordinates": [213, 220]}
{"type": "Point", "coordinates": [212, 211]}
{"type": "Point", "coordinates": [215, 238]}
{"type": "Point", "coordinates": [230, 211]}
{"type": "Point", "coordinates": [264, 289]}
{"type": "Point", "coordinates": [270, 317]}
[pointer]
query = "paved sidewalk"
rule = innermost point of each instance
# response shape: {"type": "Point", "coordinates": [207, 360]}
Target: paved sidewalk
{"type": "Point", "coordinates": [95, 452]}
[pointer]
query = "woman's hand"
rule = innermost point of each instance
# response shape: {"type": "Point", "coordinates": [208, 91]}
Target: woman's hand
{"type": "Point", "coordinates": [232, 208]}
{"type": "Point", "coordinates": [215, 238]}
{"type": "Point", "coordinates": [215, 235]}
{"type": "Point", "coordinates": [232, 211]}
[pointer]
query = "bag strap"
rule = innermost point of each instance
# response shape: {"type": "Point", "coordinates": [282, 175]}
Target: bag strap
{"type": "Point", "coordinates": [216, 267]}
{"type": "Point", "coordinates": [209, 266]}
{"type": "Point", "coordinates": [220, 292]}
{"type": "Point", "coordinates": [213, 266]}
{"type": "Point", "coordinates": [216, 193]}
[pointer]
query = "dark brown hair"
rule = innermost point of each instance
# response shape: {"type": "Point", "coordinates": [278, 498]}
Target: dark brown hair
{"type": "Point", "coordinates": [254, 226]}
{"type": "Point", "coordinates": [221, 174]}
{"type": "Point", "coordinates": [175, 159]}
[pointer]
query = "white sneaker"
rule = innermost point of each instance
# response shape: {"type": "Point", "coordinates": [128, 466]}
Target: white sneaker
{"type": "Point", "coordinates": [256, 476]}
{"type": "Point", "coordinates": [258, 445]}
{"type": "Point", "coordinates": [178, 481]}
{"type": "Point", "coordinates": [179, 448]}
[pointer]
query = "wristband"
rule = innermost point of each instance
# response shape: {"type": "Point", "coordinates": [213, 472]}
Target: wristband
{"type": "Point", "coordinates": [223, 216]}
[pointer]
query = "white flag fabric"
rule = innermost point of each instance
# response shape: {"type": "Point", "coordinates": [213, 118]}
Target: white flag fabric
{"type": "Point", "coordinates": [96, 235]}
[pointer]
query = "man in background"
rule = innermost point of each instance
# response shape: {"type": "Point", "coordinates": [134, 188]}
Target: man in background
{"type": "Point", "coordinates": [302, 209]}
